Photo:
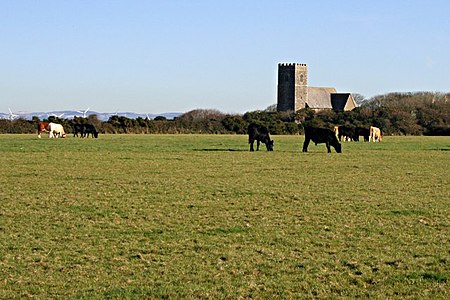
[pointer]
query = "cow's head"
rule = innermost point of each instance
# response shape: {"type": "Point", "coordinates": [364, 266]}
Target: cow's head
{"type": "Point", "coordinates": [63, 135]}
{"type": "Point", "coordinates": [269, 145]}
{"type": "Point", "coordinates": [337, 146]}
{"type": "Point", "coordinates": [95, 134]}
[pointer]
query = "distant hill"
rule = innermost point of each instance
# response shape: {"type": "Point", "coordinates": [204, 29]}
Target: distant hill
{"type": "Point", "coordinates": [70, 114]}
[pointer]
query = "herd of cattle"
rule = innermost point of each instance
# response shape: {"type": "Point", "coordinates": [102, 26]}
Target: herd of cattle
{"type": "Point", "coordinates": [57, 130]}
{"type": "Point", "coordinates": [317, 135]}
{"type": "Point", "coordinates": [256, 132]}
{"type": "Point", "coordinates": [350, 133]}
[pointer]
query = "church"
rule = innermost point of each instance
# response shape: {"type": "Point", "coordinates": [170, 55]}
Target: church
{"type": "Point", "coordinates": [294, 92]}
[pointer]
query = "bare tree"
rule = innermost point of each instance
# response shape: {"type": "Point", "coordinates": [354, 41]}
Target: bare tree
{"type": "Point", "coordinates": [359, 99]}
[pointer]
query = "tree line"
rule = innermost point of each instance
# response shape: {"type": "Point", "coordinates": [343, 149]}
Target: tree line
{"type": "Point", "coordinates": [419, 113]}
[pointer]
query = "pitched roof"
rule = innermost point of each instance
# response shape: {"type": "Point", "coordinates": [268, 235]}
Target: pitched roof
{"type": "Point", "coordinates": [342, 101]}
{"type": "Point", "coordinates": [319, 97]}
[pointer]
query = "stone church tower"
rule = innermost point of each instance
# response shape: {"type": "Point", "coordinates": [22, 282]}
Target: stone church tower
{"type": "Point", "coordinates": [294, 92]}
{"type": "Point", "coordinates": [292, 87]}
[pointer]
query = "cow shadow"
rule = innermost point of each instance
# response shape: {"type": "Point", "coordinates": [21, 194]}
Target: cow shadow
{"type": "Point", "coordinates": [220, 150]}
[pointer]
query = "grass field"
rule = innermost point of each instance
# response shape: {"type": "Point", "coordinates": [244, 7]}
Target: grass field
{"type": "Point", "coordinates": [200, 217]}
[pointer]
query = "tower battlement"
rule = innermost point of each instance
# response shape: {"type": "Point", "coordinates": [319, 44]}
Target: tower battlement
{"type": "Point", "coordinates": [290, 65]}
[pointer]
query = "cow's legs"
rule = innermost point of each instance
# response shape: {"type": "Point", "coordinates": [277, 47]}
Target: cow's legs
{"type": "Point", "coordinates": [257, 145]}
{"type": "Point", "coordinates": [328, 147]}
{"type": "Point", "coordinates": [305, 145]}
{"type": "Point", "coordinates": [251, 146]}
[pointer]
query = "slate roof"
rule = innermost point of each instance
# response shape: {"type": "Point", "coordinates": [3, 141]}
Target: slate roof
{"type": "Point", "coordinates": [328, 98]}
{"type": "Point", "coordinates": [319, 97]}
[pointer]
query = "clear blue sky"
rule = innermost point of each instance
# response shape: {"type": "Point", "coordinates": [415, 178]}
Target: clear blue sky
{"type": "Point", "coordinates": [165, 56]}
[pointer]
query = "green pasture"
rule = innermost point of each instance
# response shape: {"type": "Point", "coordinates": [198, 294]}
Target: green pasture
{"type": "Point", "coordinates": [200, 217]}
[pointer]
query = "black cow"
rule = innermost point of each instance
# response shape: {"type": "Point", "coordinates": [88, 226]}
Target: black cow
{"type": "Point", "coordinates": [78, 129]}
{"type": "Point", "coordinates": [319, 136]}
{"type": "Point", "coordinates": [259, 133]}
{"type": "Point", "coordinates": [348, 132]}
{"type": "Point", "coordinates": [90, 129]}
{"type": "Point", "coordinates": [84, 130]}
{"type": "Point", "coordinates": [365, 132]}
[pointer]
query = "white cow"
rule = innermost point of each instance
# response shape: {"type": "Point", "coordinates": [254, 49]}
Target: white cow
{"type": "Point", "coordinates": [56, 130]}
{"type": "Point", "coordinates": [336, 131]}
{"type": "Point", "coordinates": [375, 134]}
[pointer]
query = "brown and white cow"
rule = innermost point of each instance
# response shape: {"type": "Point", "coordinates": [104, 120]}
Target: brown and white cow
{"type": "Point", "coordinates": [42, 127]}
{"type": "Point", "coordinates": [375, 134]}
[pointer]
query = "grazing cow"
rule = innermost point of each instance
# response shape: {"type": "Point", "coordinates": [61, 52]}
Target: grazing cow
{"type": "Point", "coordinates": [375, 134]}
{"type": "Point", "coordinates": [42, 127]}
{"type": "Point", "coordinates": [56, 130]}
{"type": "Point", "coordinates": [84, 130]}
{"type": "Point", "coordinates": [78, 129]}
{"type": "Point", "coordinates": [319, 136]}
{"type": "Point", "coordinates": [347, 132]}
{"type": "Point", "coordinates": [336, 131]}
{"type": "Point", "coordinates": [259, 133]}
{"type": "Point", "coordinates": [90, 129]}
{"type": "Point", "coordinates": [365, 132]}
